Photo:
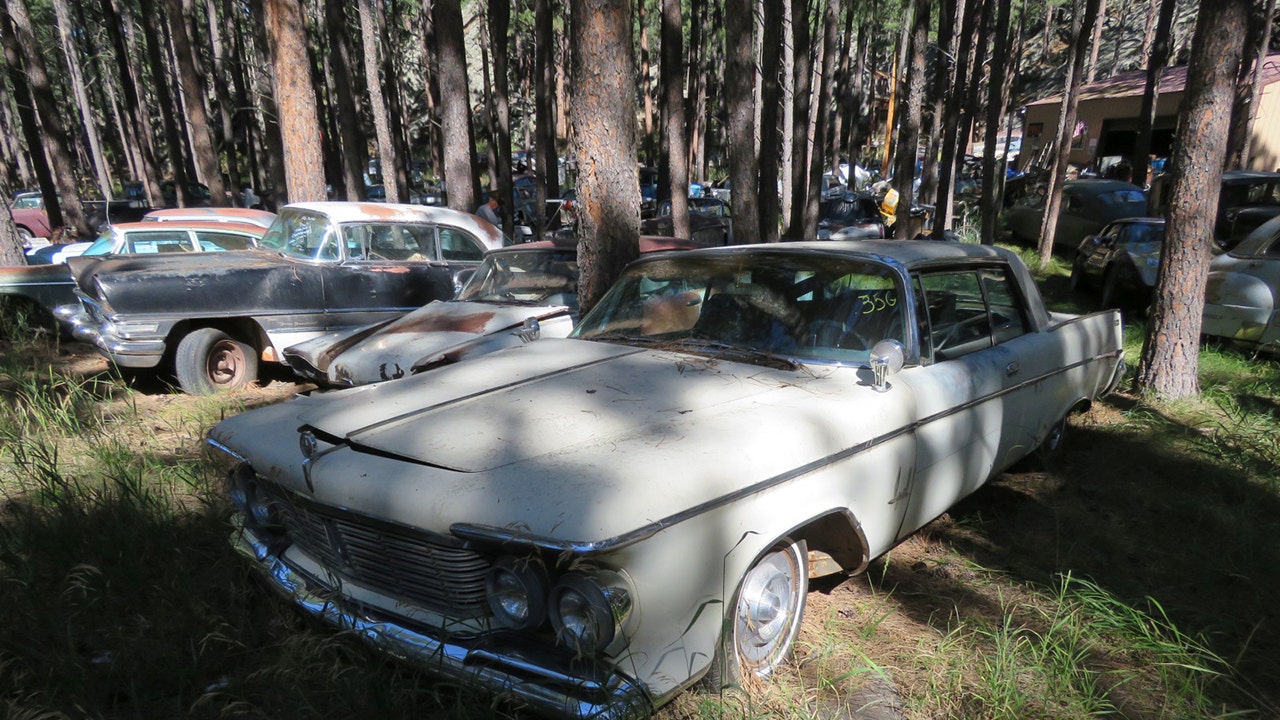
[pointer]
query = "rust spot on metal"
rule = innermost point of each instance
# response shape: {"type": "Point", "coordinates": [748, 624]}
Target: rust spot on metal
{"type": "Point", "coordinates": [473, 323]}
{"type": "Point", "coordinates": [392, 269]}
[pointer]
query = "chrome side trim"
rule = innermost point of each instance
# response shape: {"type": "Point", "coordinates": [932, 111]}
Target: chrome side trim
{"type": "Point", "coordinates": [493, 668]}
{"type": "Point", "coordinates": [491, 534]}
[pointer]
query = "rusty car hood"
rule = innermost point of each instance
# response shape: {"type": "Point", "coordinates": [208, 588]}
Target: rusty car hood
{"type": "Point", "coordinates": [435, 332]}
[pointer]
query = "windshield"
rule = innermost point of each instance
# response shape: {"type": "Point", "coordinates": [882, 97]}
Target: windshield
{"type": "Point", "coordinates": [28, 202]}
{"type": "Point", "coordinates": [302, 235]}
{"type": "Point", "coordinates": [536, 277]}
{"type": "Point", "coordinates": [102, 245]}
{"type": "Point", "coordinates": [801, 306]}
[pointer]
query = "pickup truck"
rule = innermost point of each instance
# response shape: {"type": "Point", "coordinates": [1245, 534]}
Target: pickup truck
{"type": "Point", "coordinates": [592, 524]}
{"type": "Point", "coordinates": [210, 318]}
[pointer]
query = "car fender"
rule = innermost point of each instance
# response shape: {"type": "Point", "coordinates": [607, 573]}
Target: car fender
{"type": "Point", "coordinates": [1237, 306]}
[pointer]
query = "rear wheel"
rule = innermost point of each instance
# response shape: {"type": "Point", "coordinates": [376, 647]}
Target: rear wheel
{"type": "Point", "coordinates": [765, 619]}
{"type": "Point", "coordinates": [208, 360]}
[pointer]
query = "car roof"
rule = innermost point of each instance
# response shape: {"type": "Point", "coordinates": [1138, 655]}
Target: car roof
{"type": "Point", "coordinates": [153, 226]}
{"type": "Point", "coordinates": [342, 212]}
{"type": "Point", "coordinates": [908, 254]}
{"type": "Point", "coordinates": [214, 214]}
{"type": "Point", "coordinates": [1245, 177]}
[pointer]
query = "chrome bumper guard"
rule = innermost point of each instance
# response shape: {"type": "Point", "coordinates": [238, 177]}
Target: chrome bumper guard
{"type": "Point", "coordinates": [498, 670]}
{"type": "Point", "coordinates": [126, 353]}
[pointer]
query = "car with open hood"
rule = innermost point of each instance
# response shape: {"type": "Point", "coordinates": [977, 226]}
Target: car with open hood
{"type": "Point", "coordinates": [320, 267]}
{"type": "Point", "coordinates": [590, 525]}
{"type": "Point", "coordinates": [518, 294]}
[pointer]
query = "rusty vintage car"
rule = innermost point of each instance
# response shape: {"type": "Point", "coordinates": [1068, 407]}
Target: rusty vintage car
{"type": "Point", "coordinates": [590, 525]}
{"type": "Point", "coordinates": [319, 267]}
{"type": "Point", "coordinates": [518, 294]}
{"type": "Point", "coordinates": [44, 287]}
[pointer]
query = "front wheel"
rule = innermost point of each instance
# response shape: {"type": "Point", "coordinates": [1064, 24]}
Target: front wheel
{"type": "Point", "coordinates": [208, 360]}
{"type": "Point", "coordinates": [765, 619]}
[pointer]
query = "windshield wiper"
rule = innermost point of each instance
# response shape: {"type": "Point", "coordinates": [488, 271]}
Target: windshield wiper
{"type": "Point", "coordinates": [719, 348]}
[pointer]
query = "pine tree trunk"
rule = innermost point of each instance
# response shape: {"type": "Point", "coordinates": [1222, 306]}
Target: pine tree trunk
{"type": "Point", "coordinates": [1096, 43]}
{"type": "Point", "coordinates": [387, 160]}
{"type": "Point", "coordinates": [155, 48]}
{"type": "Point", "coordinates": [674, 151]}
{"type": "Point", "coordinates": [1081, 32]}
{"type": "Point", "coordinates": [76, 76]}
{"type": "Point", "coordinates": [826, 91]}
{"type": "Point", "coordinates": [1248, 82]}
{"type": "Point", "coordinates": [354, 147]}
{"type": "Point", "coordinates": [547, 166]}
{"type": "Point", "coordinates": [1156, 61]}
{"type": "Point", "coordinates": [967, 12]}
{"type": "Point", "coordinates": [57, 144]}
{"type": "Point", "coordinates": [133, 109]}
{"type": "Point", "coordinates": [910, 109]}
{"type": "Point", "coordinates": [646, 82]}
{"type": "Point", "coordinates": [996, 100]}
{"type": "Point", "coordinates": [770, 139]}
{"type": "Point", "coordinates": [739, 103]}
{"type": "Point", "coordinates": [457, 135]}
{"type": "Point", "coordinates": [693, 86]}
{"type": "Point", "coordinates": [802, 89]}
{"type": "Point", "coordinates": [11, 253]}
{"type": "Point", "coordinates": [499, 27]}
{"type": "Point", "coordinates": [1171, 351]}
{"type": "Point", "coordinates": [299, 126]}
{"type": "Point", "coordinates": [202, 149]}
{"type": "Point", "coordinates": [787, 169]}
{"type": "Point", "coordinates": [604, 134]}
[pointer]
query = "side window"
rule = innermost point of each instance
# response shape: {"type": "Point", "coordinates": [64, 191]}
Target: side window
{"type": "Point", "coordinates": [1273, 250]}
{"type": "Point", "coordinates": [1007, 319]}
{"type": "Point", "coordinates": [457, 245]}
{"type": "Point", "coordinates": [392, 241]}
{"type": "Point", "coordinates": [958, 322]}
{"type": "Point", "coordinates": [215, 241]}
{"type": "Point", "coordinates": [159, 242]}
{"type": "Point", "coordinates": [971, 310]}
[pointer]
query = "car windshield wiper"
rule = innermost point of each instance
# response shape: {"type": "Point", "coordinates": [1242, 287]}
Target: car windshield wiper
{"type": "Point", "coordinates": [721, 349]}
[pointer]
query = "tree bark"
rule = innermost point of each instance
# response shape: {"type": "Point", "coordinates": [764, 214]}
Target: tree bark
{"type": "Point", "coordinates": [354, 148]}
{"type": "Point", "coordinates": [1248, 81]}
{"type": "Point", "coordinates": [285, 22]}
{"type": "Point", "coordinates": [1156, 61]}
{"type": "Point", "coordinates": [387, 160]}
{"type": "Point", "coordinates": [739, 100]}
{"type": "Point", "coordinates": [604, 132]}
{"type": "Point", "coordinates": [547, 164]}
{"type": "Point", "coordinates": [937, 98]}
{"type": "Point", "coordinates": [802, 92]}
{"type": "Point", "coordinates": [787, 168]}
{"type": "Point", "coordinates": [457, 135]}
{"type": "Point", "coordinates": [770, 100]}
{"type": "Point", "coordinates": [1096, 43]}
{"type": "Point", "coordinates": [1081, 32]}
{"type": "Point", "coordinates": [674, 150]}
{"type": "Point", "coordinates": [1171, 350]}
{"type": "Point", "coordinates": [29, 124]}
{"type": "Point", "coordinates": [134, 108]}
{"type": "Point", "coordinates": [11, 253]}
{"type": "Point", "coordinates": [499, 26]}
{"type": "Point", "coordinates": [57, 144]}
{"type": "Point", "coordinates": [76, 78]}
{"type": "Point", "coordinates": [910, 109]}
{"type": "Point", "coordinates": [826, 91]}
{"type": "Point", "coordinates": [646, 82]}
{"type": "Point", "coordinates": [203, 153]}
{"type": "Point", "coordinates": [996, 100]}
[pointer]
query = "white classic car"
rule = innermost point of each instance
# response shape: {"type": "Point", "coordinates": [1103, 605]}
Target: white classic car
{"type": "Point", "coordinates": [1241, 292]}
{"type": "Point", "coordinates": [590, 525]}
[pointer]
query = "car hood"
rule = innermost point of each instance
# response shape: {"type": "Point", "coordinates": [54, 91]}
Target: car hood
{"type": "Point", "coordinates": [570, 439]}
{"type": "Point", "coordinates": [392, 349]}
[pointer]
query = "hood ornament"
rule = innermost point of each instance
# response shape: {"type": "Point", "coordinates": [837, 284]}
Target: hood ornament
{"type": "Point", "coordinates": [529, 331]}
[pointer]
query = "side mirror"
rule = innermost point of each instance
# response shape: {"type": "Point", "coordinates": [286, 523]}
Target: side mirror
{"type": "Point", "coordinates": [887, 358]}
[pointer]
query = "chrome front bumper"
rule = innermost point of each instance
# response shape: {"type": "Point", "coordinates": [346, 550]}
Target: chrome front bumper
{"type": "Point", "coordinates": [496, 668]}
{"type": "Point", "coordinates": [125, 353]}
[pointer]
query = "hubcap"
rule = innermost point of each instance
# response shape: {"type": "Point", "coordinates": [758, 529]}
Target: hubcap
{"type": "Point", "coordinates": [768, 608]}
{"type": "Point", "coordinates": [226, 364]}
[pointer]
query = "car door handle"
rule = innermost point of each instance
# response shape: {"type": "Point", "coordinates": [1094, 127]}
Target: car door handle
{"type": "Point", "coordinates": [1012, 369]}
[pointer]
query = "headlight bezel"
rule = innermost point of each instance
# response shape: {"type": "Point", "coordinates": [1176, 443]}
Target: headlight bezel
{"type": "Point", "coordinates": [529, 577]}
{"type": "Point", "coordinates": [607, 603]}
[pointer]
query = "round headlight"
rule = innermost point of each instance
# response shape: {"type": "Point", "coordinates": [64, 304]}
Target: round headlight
{"type": "Point", "coordinates": [240, 486]}
{"type": "Point", "coordinates": [516, 589]}
{"type": "Point", "coordinates": [585, 614]}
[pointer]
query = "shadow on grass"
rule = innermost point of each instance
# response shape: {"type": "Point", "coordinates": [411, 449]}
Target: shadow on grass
{"type": "Point", "coordinates": [1141, 520]}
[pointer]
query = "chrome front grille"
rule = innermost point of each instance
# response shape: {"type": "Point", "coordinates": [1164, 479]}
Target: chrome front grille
{"type": "Point", "coordinates": [426, 569]}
